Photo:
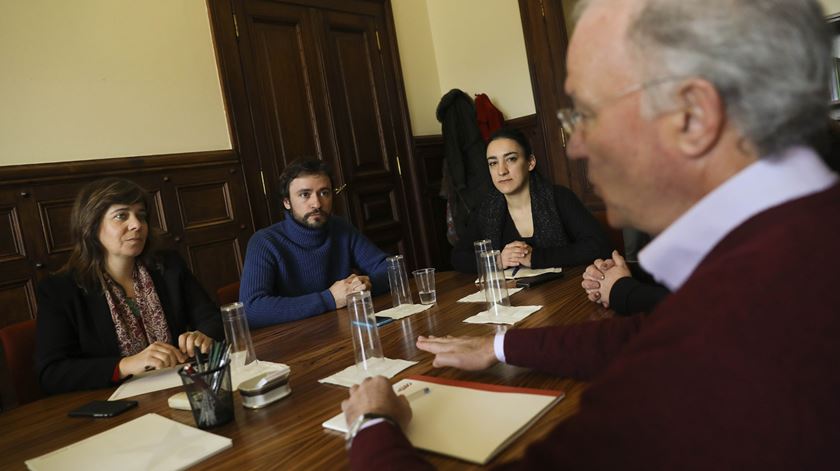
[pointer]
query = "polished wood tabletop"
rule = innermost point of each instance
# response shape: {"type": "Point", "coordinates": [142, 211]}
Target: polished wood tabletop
{"type": "Point", "coordinates": [288, 434]}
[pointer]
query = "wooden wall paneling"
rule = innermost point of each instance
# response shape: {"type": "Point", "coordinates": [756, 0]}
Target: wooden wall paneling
{"type": "Point", "coordinates": [429, 155]}
{"type": "Point", "coordinates": [200, 206]}
{"type": "Point", "coordinates": [209, 223]}
{"type": "Point", "coordinates": [18, 256]}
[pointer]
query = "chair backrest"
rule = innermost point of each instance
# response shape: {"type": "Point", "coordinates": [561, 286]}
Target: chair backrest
{"type": "Point", "coordinates": [228, 294]}
{"type": "Point", "coordinates": [18, 342]}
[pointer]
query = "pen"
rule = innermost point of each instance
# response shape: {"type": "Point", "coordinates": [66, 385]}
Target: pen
{"type": "Point", "coordinates": [418, 394]}
{"type": "Point", "coordinates": [513, 275]}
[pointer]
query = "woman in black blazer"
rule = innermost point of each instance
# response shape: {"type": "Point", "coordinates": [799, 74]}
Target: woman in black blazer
{"type": "Point", "coordinates": [118, 307]}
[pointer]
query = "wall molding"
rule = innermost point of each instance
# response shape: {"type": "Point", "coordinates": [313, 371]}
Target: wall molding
{"type": "Point", "coordinates": [44, 172]}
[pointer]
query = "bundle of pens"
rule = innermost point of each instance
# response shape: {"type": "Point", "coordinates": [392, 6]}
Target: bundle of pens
{"type": "Point", "coordinates": [207, 382]}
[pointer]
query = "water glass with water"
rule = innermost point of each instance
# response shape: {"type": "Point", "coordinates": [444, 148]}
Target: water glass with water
{"type": "Point", "coordinates": [425, 278]}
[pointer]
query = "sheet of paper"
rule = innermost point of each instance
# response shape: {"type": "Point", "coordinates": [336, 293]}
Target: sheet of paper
{"type": "Point", "coordinates": [155, 380]}
{"type": "Point", "coordinates": [507, 315]}
{"type": "Point", "coordinates": [479, 297]}
{"type": "Point", "coordinates": [352, 375]}
{"type": "Point", "coordinates": [150, 442]}
{"type": "Point", "coordinates": [470, 421]}
{"type": "Point", "coordinates": [403, 310]}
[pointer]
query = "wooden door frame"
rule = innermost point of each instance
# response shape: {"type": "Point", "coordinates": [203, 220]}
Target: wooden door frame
{"type": "Point", "coordinates": [546, 41]}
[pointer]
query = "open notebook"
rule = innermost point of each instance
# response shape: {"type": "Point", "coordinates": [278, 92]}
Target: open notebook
{"type": "Point", "coordinates": [150, 442]}
{"type": "Point", "coordinates": [467, 420]}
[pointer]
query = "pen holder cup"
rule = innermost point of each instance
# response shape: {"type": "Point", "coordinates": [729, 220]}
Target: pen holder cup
{"type": "Point", "coordinates": [210, 395]}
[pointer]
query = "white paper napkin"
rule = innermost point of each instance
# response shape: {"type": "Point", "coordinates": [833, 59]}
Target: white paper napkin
{"type": "Point", "coordinates": [507, 315]}
{"type": "Point", "coordinates": [403, 310]}
{"type": "Point", "coordinates": [352, 375]}
{"type": "Point", "coordinates": [242, 373]}
{"type": "Point", "coordinates": [479, 297]}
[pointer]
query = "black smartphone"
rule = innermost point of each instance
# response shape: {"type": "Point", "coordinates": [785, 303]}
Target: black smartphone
{"type": "Point", "coordinates": [382, 320]}
{"type": "Point", "coordinates": [102, 409]}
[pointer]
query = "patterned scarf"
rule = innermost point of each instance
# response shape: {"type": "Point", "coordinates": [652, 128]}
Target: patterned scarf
{"type": "Point", "coordinates": [548, 227]}
{"type": "Point", "coordinates": [137, 330]}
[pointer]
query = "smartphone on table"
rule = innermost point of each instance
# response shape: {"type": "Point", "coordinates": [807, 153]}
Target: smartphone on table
{"type": "Point", "coordinates": [99, 409]}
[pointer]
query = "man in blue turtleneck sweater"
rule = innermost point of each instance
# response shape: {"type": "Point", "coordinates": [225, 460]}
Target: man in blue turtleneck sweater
{"type": "Point", "coordinates": [302, 266]}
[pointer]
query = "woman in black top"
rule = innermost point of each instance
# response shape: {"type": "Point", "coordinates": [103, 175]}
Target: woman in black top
{"type": "Point", "coordinates": [118, 307]}
{"type": "Point", "coordinates": [534, 223]}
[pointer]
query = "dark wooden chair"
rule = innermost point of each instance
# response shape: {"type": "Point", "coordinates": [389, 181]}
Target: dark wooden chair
{"type": "Point", "coordinates": [18, 343]}
{"type": "Point", "coordinates": [228, 294]}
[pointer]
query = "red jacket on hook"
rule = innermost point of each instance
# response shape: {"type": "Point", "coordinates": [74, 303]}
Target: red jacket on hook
{"type": "Point", "coordinates": [488, 116]}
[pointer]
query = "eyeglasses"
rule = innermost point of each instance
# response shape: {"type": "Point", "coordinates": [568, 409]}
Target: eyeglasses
{"type": "Point", "coordinates": [572, 118]}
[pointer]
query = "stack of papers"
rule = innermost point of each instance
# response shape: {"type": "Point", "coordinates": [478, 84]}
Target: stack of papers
{"type": "Point", "coordinates": [506, 315]}
{"type": "Point", "coordinates": [466, 420]}
{"type": "Point", "coordinates": [147, 442]}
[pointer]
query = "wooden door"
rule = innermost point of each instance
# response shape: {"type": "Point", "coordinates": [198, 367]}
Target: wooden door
{"type": "Point", "coordinates": [319, 78]}
{"type": "Point", "coordinates": [286, 91]}
{"type": "Point", "coordinates": [365, 135]}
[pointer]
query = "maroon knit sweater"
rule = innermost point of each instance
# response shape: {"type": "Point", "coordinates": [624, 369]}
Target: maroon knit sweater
{"type": "Point", "coordinates": [738, 369]}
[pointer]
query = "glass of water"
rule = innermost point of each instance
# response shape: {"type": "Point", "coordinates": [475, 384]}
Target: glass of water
{"type": "Point", "coordinates": [425, 278]}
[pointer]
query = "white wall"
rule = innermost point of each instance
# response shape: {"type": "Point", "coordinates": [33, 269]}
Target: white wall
{"type": "Point", "coordinates": [88, 79]}
{"type": "Point", "coordinates": [831, 6]}
{"type": "Point", "coordinates": [476, 45]}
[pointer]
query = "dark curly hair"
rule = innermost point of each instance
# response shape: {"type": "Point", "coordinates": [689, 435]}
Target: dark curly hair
{"type": "Point", "coordinates": [302, 166]}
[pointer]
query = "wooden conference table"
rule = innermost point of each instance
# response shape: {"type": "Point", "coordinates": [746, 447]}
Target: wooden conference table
{"type": "Point", "coordinates": [288, 434]}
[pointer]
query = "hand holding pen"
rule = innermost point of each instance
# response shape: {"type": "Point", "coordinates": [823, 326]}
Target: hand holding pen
{"type": "Point", "coordinates": [376, 395]}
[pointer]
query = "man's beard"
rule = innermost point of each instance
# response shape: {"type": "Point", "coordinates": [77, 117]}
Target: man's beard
{"type": "Point", "coordinates": [305, 219]}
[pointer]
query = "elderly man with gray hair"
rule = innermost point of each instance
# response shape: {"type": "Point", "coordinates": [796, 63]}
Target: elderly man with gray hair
{"type": "Point", "coordinates": [693, 117]}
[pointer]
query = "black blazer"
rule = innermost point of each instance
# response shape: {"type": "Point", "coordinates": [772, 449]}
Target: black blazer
{"type": "Point", "coordinates": [77, 347]}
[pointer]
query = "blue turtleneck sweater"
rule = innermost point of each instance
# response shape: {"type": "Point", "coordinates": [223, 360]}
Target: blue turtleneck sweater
{"type": "Point", "coordinates": [289, 269]}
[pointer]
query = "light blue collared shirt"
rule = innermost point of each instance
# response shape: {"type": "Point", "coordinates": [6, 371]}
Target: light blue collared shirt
{"type": "Point", "coordinates": [773, 180]}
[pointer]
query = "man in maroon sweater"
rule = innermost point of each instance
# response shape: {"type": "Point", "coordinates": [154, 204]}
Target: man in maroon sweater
{"type": "Point", "coordinates": [691, 116]}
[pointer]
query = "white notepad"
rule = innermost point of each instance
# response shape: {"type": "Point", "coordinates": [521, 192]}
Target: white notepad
{"type": "Point", "coordinates": [150, 442]}
{"type": "Point", "coordinates": [466, 420]}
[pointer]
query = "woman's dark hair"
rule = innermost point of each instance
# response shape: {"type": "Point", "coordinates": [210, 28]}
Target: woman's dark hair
{"type": "Point", "coordinates": [302, 166]}
{"type": "Point", "coordinates": [514, 135]}
{"type": "Point", "coordinates": [87, 260]}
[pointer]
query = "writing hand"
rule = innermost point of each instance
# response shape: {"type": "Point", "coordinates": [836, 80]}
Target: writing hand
{"type": "Point", "coordinates": [154, 357]}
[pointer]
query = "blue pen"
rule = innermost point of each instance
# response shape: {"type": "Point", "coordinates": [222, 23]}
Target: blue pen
{"type": "Point", "coordinates": [513, 275]}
